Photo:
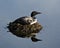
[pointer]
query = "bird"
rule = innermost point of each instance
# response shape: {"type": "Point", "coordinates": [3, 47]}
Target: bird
{"type": "Point", "coordinates": [28, 19]}
{"type": "Point", "coordinates": [26, 26]}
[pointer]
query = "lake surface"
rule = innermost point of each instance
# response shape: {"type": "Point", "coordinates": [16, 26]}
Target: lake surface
{"type": "Point", "coordinates": [49, 19]}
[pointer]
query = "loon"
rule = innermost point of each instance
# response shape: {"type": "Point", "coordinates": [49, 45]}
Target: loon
{"type": "Point", "coordinates": [26, 26]}
{"type": "Point", "coordinates": [28, 19]}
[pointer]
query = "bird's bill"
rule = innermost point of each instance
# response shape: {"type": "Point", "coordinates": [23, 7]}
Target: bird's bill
{"type": "Point", "coordinates": [39, 13]}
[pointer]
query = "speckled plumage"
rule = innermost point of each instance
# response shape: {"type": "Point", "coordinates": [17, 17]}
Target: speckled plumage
{"type": "Point", "coordinates": [23, 29]}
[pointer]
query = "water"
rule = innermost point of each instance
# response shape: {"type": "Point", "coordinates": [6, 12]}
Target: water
{"type": "Point", "coordinates": [49, 19]}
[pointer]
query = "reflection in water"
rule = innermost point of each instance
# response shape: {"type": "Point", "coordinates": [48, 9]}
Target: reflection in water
{"type": "Point", "coordinates": [21, 28]}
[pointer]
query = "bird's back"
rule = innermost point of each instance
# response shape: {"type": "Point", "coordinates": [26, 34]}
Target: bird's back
{"type": "Point", "coordinates": [24, 20]}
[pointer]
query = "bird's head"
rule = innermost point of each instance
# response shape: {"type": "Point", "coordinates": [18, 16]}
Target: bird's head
{"type": "Point", "coordinates": [34, 13]}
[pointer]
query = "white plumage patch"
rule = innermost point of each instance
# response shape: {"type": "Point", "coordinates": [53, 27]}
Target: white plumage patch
{"type": "Point", "coordinates": [35, 21]}
{"type": "Point", "coordinates": [30, 20]}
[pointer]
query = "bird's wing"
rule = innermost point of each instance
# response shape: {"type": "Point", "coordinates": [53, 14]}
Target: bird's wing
{"type": "Point", "coordinates": [22, 20]}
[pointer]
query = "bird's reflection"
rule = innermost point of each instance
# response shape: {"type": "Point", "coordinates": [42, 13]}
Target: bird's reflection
{"type": "Point", "coordinates": [26, 27]}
